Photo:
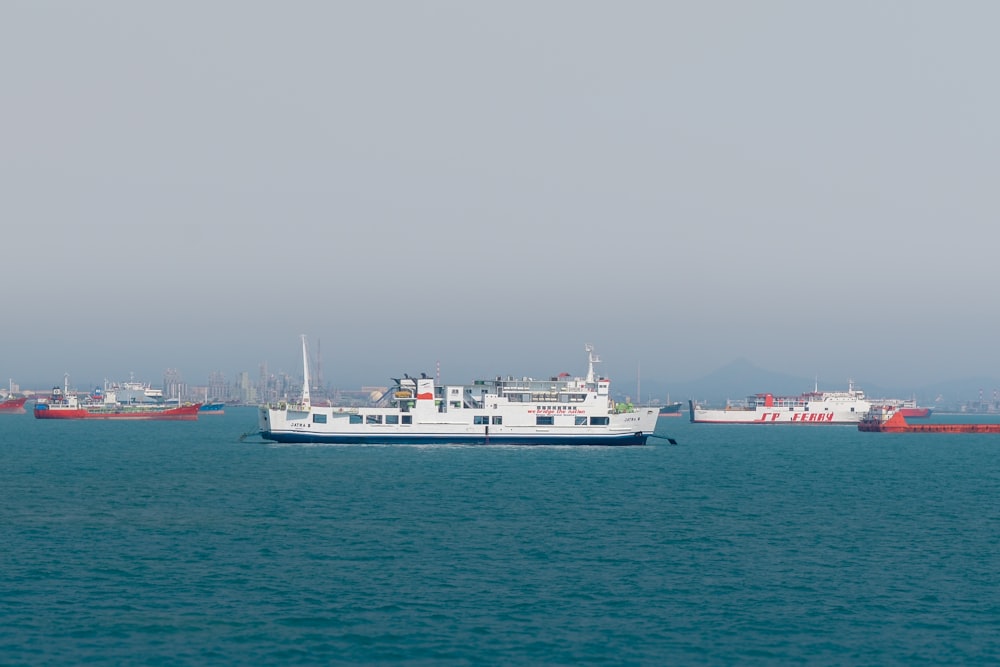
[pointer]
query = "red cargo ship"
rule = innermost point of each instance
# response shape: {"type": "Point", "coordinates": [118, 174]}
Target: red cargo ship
{"type": "Point", "coordinates": [13, 406]}
{"type": "Point", "coordinates": [104, 405]}
{"type": "Point", "coordinates": [910, 409]}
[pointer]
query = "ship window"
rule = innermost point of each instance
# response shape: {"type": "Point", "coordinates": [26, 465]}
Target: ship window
{"type": "Point", "coordinates": [373, 419]}
{"type": "Point", "coordinates": [598, 421]}
{"type": "Point", "coordinates": [544, 420]}
{"type": "Point", "coordinates": [497, 420]}
{"type": "Point", "coordinates": [392, 419]}
{"type": "Point", "coordinates": [407, 419]}
{"type": "Point", "coordinates": [319, 419]}
{"type": "Point", "coordinates": [480, 419]}
{"type": "Point", "coordinates": [581, 421]}
{"type": "Point", "coordinates": [355, 419]}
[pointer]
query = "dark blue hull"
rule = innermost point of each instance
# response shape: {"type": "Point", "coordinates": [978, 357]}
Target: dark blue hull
{"type": "Point", "coordinates": [631, 439]}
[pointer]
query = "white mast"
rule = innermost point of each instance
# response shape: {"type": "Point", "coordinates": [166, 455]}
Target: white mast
{"type": "Point", "coordinates": [638, 385]}
{"type": "Point", "coordinates": [591, 360]}
{"type": "Point", "coordinates": [305, 374]}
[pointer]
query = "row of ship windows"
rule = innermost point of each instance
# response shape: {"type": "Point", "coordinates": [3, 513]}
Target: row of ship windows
{"type": "Point", "coordinates": [548, 398]}
{"type": "Point", "coordinates": [482, 420]}
{"type": "Point", "coordinates": [319, 418]}
{"type": "Point", "coordinates": [549, 420]}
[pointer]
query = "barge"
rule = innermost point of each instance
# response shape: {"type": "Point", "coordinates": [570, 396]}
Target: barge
{"type": "Point", "coordinates": [884, 419]}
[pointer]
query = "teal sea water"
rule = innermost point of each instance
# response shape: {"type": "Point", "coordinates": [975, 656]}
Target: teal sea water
{"type": "Point", "coordinates": [178, 544]}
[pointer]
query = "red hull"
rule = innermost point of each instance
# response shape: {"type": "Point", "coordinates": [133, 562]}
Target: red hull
{"type": "Point", "coordinates": [918, 413]}
{"type": "Point", "coordinates": [897, 424]}
{"type": "Point", "coordinates": [13, 406]}
{"type": "Point", "coordinates": [182, 413]}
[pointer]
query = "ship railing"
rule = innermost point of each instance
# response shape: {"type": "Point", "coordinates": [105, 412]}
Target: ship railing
{"type": "Point", "coordinates": [299, 407]}
{"type": "Point", "coordinates": [787, 402]}
{"type": "Point", "coordinates": [286, 405]}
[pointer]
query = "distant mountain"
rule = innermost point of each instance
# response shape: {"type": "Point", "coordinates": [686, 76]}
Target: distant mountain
{"type": "Point", "coordinates": [735, 380]}
{"type": "Point", "coordinates": [741, 378]}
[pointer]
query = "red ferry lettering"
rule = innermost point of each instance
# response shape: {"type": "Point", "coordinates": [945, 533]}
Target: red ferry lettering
{"type": "Point", "coordinates": [811, 417]}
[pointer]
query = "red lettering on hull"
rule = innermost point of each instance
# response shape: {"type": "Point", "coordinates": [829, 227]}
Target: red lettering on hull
{"type": "Point", "coordinates": [813, 417]}
{"type": "Point", "coordinates": [768, 417]}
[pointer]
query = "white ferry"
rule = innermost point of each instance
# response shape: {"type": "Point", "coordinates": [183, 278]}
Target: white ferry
{"type": "Point", "coordinates": [814, 407]}
{"type": "Point", "coordinates": [501, 411]}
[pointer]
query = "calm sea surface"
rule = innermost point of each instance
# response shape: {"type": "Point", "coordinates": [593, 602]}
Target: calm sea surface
{"type": "Point", "coordinates": [178, 544]}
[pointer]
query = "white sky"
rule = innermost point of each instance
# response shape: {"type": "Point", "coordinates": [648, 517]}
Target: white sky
{"type": "Point", "coordinates": [191, 185]}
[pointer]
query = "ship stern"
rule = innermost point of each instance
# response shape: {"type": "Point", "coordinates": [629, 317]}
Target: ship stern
{"type": "Point", "coordinates": [264, 420]}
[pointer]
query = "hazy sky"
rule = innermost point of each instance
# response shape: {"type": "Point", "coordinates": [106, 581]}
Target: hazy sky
{"type": "Point", "coordinates": [490, 185]}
